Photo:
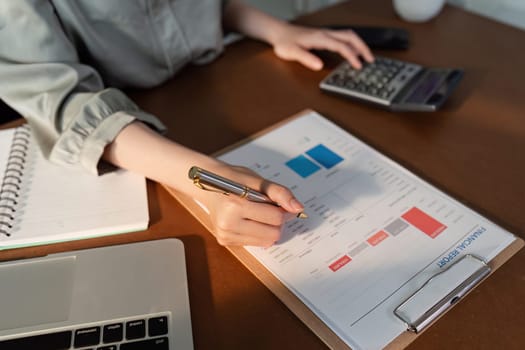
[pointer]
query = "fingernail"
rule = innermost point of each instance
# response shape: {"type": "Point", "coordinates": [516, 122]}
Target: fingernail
{"type": "Point", "coordinates": [296, 205]}
{"type": "Point", "coordinates": [317, 65]}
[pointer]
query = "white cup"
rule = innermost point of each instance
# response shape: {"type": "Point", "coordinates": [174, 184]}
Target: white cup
{"type": "Point", "coordinates": [417, 10]}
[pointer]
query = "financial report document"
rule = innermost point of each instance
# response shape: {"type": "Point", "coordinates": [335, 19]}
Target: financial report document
{"type": "Point", "coordinates": [375, 232]}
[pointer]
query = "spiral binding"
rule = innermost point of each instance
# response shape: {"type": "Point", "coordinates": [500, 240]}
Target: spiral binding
{"type": "Point", "coordinates": [12, 178]}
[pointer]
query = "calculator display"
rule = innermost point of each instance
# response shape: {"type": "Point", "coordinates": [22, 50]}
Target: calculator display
{"type": "Point", "coordinates": [426, 87]}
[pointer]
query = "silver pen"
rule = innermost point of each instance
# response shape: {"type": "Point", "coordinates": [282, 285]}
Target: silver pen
{"type": "Point", "coordinates": [207, 180]}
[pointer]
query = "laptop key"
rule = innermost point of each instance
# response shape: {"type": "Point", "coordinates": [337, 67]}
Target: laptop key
{"type": "Point", "coordinates": [52, 341]}
{"type": "Point", "coordinates": [150, 344]}
{"type": "Point", "coordinates": [158, 326]}
{"type": "Point", "coordinates": [113, 333]}
{"type": "Point", "coordinates": [87, 337]}
{"type": "Point", "coordinates": [108, 347]}
{"type": "Point", "coordinates": [135, 329]}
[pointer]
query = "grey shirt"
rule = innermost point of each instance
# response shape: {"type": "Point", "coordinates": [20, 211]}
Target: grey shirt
{"type": "Point", "coordinates": [62, 63]}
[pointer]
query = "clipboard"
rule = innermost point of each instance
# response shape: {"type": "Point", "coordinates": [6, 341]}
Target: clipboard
{"type": "Point", "coordinates": [416, 315]}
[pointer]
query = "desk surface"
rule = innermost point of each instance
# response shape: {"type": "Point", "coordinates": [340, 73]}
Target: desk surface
{"type": "Point", "coordinates": [473, 149]}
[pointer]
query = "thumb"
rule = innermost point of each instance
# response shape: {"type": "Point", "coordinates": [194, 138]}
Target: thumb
{"type": "Point", "coordinates": [301, 55]}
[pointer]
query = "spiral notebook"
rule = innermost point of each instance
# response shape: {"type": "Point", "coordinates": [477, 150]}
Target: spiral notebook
{"type": "Point", "coordinates": [42, 203]}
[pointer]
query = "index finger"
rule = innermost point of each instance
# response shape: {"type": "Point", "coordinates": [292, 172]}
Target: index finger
{"type": "Point", "coordinates": [350, 37]}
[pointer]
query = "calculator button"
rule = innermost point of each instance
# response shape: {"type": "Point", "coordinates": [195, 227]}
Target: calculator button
{"type": "Point", "coordinates": [380, 80]}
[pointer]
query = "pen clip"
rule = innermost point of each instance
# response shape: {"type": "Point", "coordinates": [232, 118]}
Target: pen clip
{"type": "Point", "coordinates": [197, 182]}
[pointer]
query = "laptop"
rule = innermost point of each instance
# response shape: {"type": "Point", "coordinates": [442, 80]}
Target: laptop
{"type": "Point", "coordinates": [126, 297]}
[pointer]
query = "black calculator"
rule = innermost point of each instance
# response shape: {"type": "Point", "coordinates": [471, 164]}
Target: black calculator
{"type": "Point", "coordinates": [394, 84]}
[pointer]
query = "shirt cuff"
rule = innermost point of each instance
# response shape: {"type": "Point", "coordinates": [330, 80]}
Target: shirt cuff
{"type": "Point", "coordinates": [82, 144]}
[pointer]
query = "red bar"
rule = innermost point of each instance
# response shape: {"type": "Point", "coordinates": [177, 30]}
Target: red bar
{"type": "Point", "coordinates": [336, 265]}
{"type": "Point", "coordinates": [377, 238]}
{"type": "Point", "coordinates": [424, 222]}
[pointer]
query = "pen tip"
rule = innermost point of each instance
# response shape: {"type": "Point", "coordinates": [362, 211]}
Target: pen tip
{"type": "Point", "coordinates": [302, 215]}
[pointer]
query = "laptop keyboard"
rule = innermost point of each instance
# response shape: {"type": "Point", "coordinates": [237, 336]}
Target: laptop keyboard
{"type": "Point", "coordinates": [137, 333]}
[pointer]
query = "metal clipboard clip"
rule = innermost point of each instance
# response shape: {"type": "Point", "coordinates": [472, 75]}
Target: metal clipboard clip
{"type": "Point", "coordinates": [441, 291]}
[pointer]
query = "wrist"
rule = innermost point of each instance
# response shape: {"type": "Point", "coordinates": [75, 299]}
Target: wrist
{"type": "Point", "coordinates": [276, 31]}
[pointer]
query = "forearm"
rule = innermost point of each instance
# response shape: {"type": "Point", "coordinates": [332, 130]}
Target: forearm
{"type": "Point", "coordinates": [252, 22]}
{"type": "Point", "coordinates": [142, 150]}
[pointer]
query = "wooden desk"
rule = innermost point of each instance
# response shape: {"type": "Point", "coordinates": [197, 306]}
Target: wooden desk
{"type": "Point", "coordinates": [473, 149]}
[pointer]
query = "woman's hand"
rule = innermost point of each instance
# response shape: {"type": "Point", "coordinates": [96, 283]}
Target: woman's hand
{"type": "Point", "coordinates": [294, 43]}
{"type": "Point", "coordinates": [237, 221]}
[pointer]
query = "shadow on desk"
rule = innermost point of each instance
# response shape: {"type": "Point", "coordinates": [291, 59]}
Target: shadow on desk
{"type": "Point", "coordinates": [7, 114]}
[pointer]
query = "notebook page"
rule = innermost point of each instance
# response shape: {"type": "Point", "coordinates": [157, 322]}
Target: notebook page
{"type": "Point", "coordinates": [375, 231]}
{"type": "Point", "coordinates": [62, 204]}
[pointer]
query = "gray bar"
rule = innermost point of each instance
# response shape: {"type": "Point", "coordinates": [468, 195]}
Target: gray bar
{"type": "Point", "coordinates": [358, 249]}
{"type": "Point", "coordinates": [396, 227]}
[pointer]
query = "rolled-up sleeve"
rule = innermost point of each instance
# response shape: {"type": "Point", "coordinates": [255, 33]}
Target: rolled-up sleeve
{"type": "Point", "coordinates": [72, 114]}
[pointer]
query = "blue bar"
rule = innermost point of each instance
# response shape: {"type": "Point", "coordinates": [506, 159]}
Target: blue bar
{"type": "Point", "coordinates": [324, 156]}
{"type": "Point", "coordinates": [302, 166]}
